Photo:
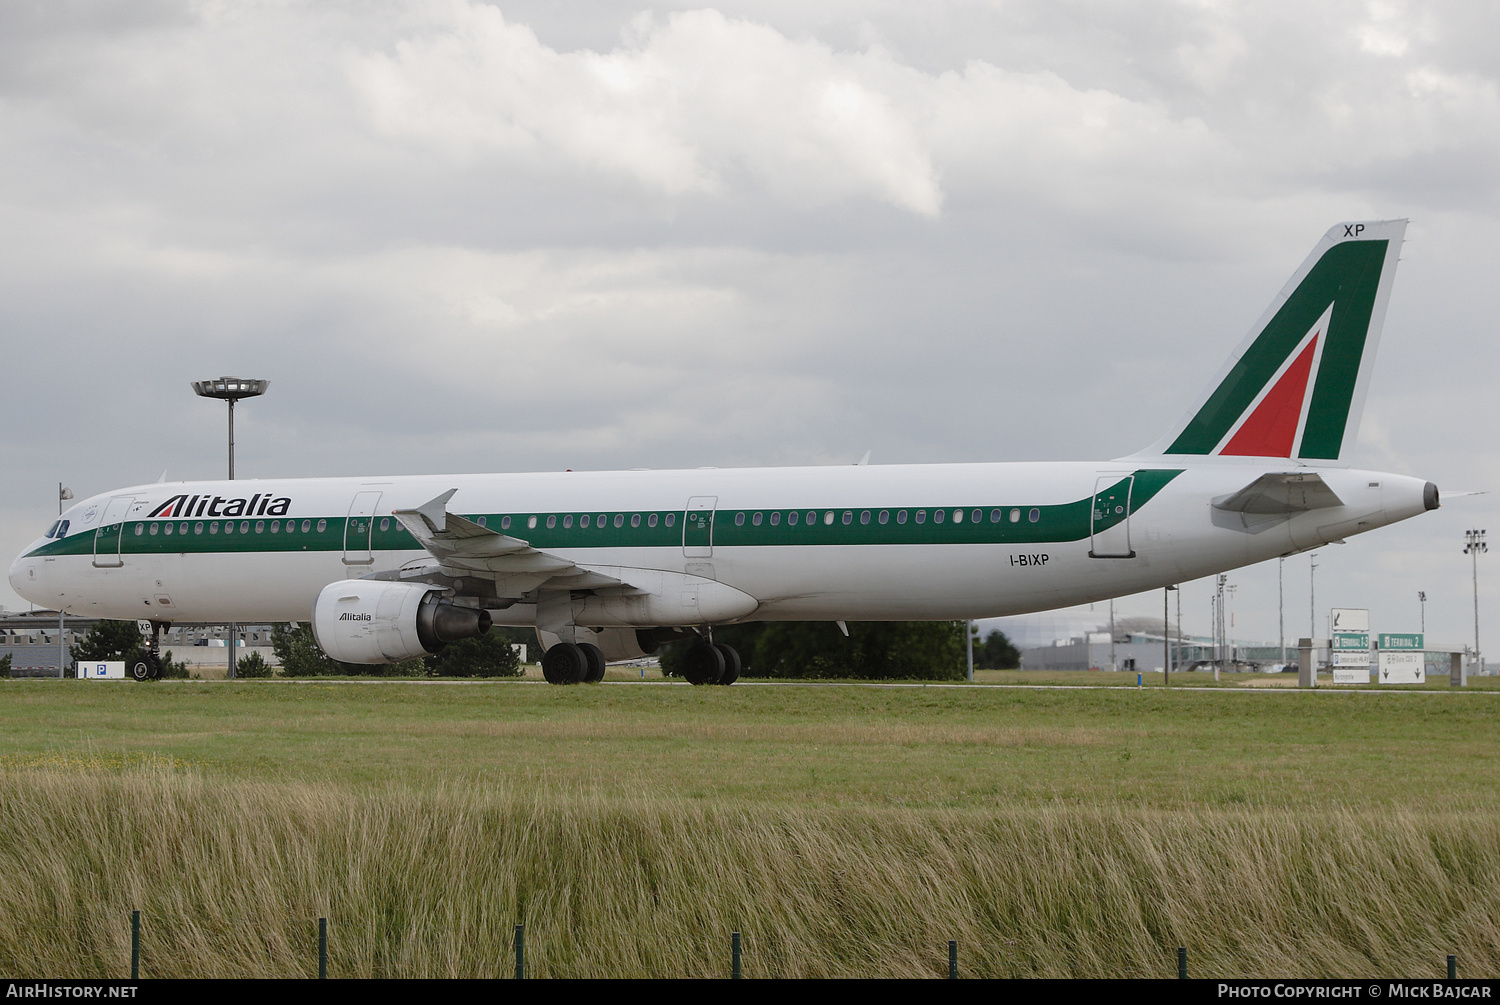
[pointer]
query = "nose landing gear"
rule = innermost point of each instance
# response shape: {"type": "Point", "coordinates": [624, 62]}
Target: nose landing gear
{"type": "Point", "coordinates": [149, 667]}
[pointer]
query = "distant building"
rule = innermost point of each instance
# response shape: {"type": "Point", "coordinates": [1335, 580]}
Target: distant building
{"type": "Point", "coordinates": [1143, 651]}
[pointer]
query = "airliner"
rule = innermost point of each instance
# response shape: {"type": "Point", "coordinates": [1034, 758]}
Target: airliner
{"type": "Point", "coordinates": [609, 565]}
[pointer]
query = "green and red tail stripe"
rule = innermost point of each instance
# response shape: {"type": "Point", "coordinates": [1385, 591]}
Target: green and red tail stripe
{"type": "Point", "coordinates": [1295, 387]}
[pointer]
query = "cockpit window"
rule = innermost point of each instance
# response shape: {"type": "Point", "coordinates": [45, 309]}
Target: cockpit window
{"type": "Point", "coordinates": [52, 531]}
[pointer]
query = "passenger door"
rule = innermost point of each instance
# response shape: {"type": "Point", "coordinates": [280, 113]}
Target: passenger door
{"type": "Point", "coordinates": [358, 527]}
{"type": "Point", "coordinates": [698, 527]}
{"type": "Point", "coordinates": [110, 534]}
{"type": "Point", "coordinates": [1109, 518]}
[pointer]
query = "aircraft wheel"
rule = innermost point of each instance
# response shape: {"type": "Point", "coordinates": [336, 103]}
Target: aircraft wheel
{"type": "Point", "coordinates": [140, 670]}
{"type": "Point", "coordinates": [565, 663]}
{"type": "Point", "coordinates": [595, 657]}
{"type": "Point", "coordinates": [156, 665]}
{"type": "Point", "coordinates": [703, 664]}
{"type": "Point", "coordinates": [732, 663]}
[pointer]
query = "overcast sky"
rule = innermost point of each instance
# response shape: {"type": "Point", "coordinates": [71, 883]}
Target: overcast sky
{"type": "Point", "coordinates": [463, 236]}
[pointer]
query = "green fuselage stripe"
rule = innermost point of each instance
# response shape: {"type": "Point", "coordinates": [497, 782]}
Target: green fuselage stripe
{"type": "Point", "coordinates": [850, 526]}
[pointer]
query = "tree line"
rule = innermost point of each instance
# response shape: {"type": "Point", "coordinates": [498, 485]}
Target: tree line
{"type": "Point", "coordinates": [873, 650]}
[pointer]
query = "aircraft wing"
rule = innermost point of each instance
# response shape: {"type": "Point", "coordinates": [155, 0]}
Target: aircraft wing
{"type": "Point", "coordinates": [1281, 493]}
{"type": "Point", "coordinates": [464, 548]}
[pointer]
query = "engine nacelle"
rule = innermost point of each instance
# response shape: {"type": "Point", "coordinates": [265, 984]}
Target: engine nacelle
{"type": "Point", "coordinates": [369, 621]}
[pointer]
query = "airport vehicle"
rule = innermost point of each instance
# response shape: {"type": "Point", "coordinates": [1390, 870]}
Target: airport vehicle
{"type": "Point", "coordinates": [608, 565]}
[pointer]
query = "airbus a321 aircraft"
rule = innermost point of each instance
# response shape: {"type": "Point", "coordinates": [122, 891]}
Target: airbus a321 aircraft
{"type": "Point", "coordinates": [609, 565]}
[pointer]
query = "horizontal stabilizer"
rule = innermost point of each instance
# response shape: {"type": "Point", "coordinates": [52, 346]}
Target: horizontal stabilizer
{"type": "Point", "coordinates": [1288, 492]}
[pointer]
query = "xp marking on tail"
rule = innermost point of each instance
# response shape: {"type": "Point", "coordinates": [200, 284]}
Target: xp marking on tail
{"type": "Point", "coordinates": [608, 565]}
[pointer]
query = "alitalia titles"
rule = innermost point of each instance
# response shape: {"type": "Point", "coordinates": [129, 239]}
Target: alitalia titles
{"type": "Point", "coordinates": [184, 506]}
{"type": "Point", "coordinates": [346, 616]}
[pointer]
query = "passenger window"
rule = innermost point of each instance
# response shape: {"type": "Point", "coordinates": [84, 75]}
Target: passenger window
{"type": "Point", "coordinates": [245, 527]}
{"type": "Point", "coordinates": [229, 526]}
{"type": "Point", "coordinates": [1034, 515]}
{"type": "Point", "coordinates": [182, 528]}
{"type": "Point", "coordinates": [275, 526]}
{"type": "Point", "coordinates": [140, 529]}
{"type": "Point", "coordinates": [531, 523]}
{"type": "Point", "coordinates": [323, 525]}
{"type": "Point", "coordinates": [552, 521]}
{"type": "Point", "coordinates": [651, 520]}
{"type": "Point", "coordinates": [583, 521]}
{"type": "Point", "coordinates": [481, 521]}
{"type": "Point", "coordinates": [739, 519]}
{"type": "Point", "coordinates": [213, 528]}
{"type": "Point", "coordinates": [635, 519]}
{"type": "Point", "coordinates": [776, 519]}
{"type": "Point", "coordinates": [848, 517]}
{"type": "Point", "coordinates": [1015, 516]}
{"type": "Point", "coordinates": [994, 516]}
{"type": "Point", "coordinates": [864, 516]}
{"type": "Point", "coordinates": [755, 519]}
{"type": "Point", "coordinates": [307, 526]}
{"type": "Point", "coordinates": [901, 516]}
{"type": "Point", "coordinates": [671, 519]}
{"type": "Point", "coordinates": [505, 523]}
{"type": "Point", "coordinates": [260, 525]}
{"type": "Point", "coordinates": [385, 524]}
{"type": "Point", "coordinates": [976, 516]}
{"type": "Point", "coordinates": [791, 519]}
{"type": "Point", "coordinates": [885, 516]}
{"type": "Point", "coordinates": [619, 519]}
{"type": "Point", "coordinates": [170, 528]}
{"type": "Point", "coordinates": [939, 515]}
{"type": "Point", "coordinates": [568, 522]}
{"type": "Point", "coordinates": [828, 518]}
{"type": "Point", "coordinates": [921, 516]}
{"type": "Point", "coordinates": [153, 529]}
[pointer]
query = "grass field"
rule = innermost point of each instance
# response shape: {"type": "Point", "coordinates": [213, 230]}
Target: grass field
{"type": "Point", "coordinates": [844, 831]}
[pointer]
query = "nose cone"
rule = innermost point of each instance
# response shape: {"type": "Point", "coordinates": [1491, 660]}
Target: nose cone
{"type": "Point", "coordinates": [23, 577]}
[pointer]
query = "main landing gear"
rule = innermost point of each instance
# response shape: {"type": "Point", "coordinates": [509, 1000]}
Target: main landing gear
{"type": "Point", "coordinates": [149, 667]}
{"type": "Point", "coordinates": [573, 663]}
{"type": "Point", "coordinates": [711, 663]}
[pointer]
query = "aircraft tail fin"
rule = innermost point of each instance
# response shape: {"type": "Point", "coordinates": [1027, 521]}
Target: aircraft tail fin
{"type": "Point", "coordinates": [1295, 387]}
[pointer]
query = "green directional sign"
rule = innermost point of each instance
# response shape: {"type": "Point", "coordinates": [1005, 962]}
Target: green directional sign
{"type": "Point", "coordinates": [1351, 640]}
{"type": "Point", "coordinates": [1409, 641]}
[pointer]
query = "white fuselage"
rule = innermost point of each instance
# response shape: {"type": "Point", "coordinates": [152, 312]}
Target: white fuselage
{"type": "Point", "coordinates": [1029, 551]}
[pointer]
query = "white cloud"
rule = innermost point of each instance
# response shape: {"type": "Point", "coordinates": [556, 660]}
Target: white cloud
{"type": "Point", "coordinates": [687, 103]}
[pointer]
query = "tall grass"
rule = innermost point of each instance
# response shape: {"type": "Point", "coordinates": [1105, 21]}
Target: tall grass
{"type": "Point", "coordinates": [230, 875]}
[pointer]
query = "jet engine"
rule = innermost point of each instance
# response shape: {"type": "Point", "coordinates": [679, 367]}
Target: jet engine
{"type": "Point", "coordinates": [368, 621]}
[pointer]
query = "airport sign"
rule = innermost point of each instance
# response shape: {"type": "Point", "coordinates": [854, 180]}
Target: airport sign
{"type": "Point", "coordinates": [1346, 674]}
{"type": "Point", "coordinates": [1403, 668]}
{"type": "Point", "coordinates": [1345, 641]}
{"type": "Point", "coordinates": [1407, 641]}
{"type": "Point", "coordinates": [1348, 619]}
{"type": "Point", "coordinates": [1358, 658]}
